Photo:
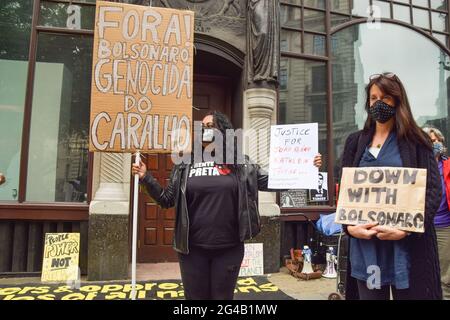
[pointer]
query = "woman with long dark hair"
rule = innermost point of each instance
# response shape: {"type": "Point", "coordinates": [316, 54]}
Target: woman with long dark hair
{"type": "Point", "coordinates": [216, 208]}
{"type": "Point", "coordinates": [407, 262]}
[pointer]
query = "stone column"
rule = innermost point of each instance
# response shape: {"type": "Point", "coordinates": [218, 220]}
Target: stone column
{"type": "Point", "coordinates": [109, 211]}
{"type": "Point", "coordinates": [260, 106]}
{"type": "Point", "coordinates": [259, 114]}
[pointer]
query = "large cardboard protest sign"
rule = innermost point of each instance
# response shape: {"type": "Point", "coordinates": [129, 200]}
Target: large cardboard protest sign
{"type": "Point", "coordinates": [389, 196]}
{"type": "Point", "coordinates": [292, 152]}
{"type": "Point", "coordinates": [141, 79]}
{"type": "Point", "coordinates": [61, 254]}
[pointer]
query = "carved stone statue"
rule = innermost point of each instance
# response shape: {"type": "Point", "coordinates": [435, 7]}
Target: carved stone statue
{"type": "Point", "coordinates": [228, 5]}
{"type": "Point", "coordinates": [263, 42]}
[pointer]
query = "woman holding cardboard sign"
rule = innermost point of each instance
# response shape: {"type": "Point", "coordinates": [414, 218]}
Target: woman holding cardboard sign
{"type": "Point", "coordinates": [382, 258]}
{"type": "Point", "coordinates": [216, 207]}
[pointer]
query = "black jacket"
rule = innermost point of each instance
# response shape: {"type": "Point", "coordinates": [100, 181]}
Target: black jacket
{"type": "Point", "coordinates": [251, 180]}
{"type": "Point", "coordinates": [425, 272]}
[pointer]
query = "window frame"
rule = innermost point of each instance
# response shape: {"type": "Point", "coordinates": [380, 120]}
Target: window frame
{"type": "Point", "coordinates": [21, 209]}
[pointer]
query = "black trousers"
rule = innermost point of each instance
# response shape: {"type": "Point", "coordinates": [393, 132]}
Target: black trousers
{"type": "Point", "coordinates": [384, 293]}
{"type": "Point", "coordinates": [211, 274]}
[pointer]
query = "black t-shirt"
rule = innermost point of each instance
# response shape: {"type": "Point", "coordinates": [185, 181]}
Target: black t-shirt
{"type": "Point", "coordinates": [212, 200]}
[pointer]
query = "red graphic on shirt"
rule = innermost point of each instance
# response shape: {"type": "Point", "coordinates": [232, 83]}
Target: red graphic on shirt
{"type": "Point", "coordinates": [224, 171]}
{"type": "Point", "coordinates": [209, 169]}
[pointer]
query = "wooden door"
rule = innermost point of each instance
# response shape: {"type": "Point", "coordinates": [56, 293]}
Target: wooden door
{"type": "Point", "coordinates": [156, 225]}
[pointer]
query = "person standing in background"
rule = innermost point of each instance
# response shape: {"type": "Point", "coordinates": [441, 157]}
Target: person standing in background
{"type": "Point", "coordinates": [442, 218]}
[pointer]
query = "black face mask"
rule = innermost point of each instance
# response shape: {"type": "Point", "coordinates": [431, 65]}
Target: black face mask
{"type": "Point", "coordinates": [381, 112]}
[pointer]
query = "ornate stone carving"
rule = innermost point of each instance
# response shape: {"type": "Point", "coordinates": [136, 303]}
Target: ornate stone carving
{"type": "Point", "coordinates": [111, 167]}
{"type": "Point", "coordinates": [222, 19]}
{"type": "Point", "coordinates": [208, 8]}
{"type": "Point", "coordinates": [111, 177]}
{"type": "Point", "coordinates": [263, 41]}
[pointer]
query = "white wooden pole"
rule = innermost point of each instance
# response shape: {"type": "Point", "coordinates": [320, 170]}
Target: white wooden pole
{"type": "Point", "coordinates": [135, 224]}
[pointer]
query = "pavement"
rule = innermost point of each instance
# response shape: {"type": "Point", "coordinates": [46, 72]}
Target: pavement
{"type": "Point", "coordinates": [316, 289]}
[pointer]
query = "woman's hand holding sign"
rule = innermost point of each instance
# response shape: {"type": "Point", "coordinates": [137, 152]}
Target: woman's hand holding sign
{"type": "Point", "coordinates": [389, 233]}
{"type": "Point", "coordinates": [363, 231]}
{"type": "Point", "coordinates": [318, 160]}
{"type": "Point", "coordinates": [369, 230]}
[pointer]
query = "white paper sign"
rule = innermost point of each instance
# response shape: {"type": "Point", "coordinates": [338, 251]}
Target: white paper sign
{"type": "Point", "coordinates": [253, 262]}
{"type": "Point", "coordinates": [320, 192]}
{"type": "Point", "coordinates": [292, 152]}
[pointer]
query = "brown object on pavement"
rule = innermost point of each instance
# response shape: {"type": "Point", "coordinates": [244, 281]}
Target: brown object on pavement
{"type": "Point", "coordinates": [295, 265]}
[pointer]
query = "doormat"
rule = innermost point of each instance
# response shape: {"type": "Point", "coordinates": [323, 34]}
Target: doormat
{"type": "Point", "coordinates": [247, 288]}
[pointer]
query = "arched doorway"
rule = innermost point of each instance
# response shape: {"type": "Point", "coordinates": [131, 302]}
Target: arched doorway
{"type": "Point", "coordinates": [217, 86]}
{"type": "Point", "coordinates": [419, 60]}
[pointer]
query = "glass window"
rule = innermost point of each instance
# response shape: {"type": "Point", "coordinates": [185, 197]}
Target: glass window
{"type": "Point", "coordinates": [439, 4]}
{"type": "Point", "coordinates": [361, 8]}
{"type": "Point", "coordinates": [338, 77]}
{"type": "Point", "coordinates": [283, 74]}
{"type": "Point", "coordinates": [290, 17]}
{"type": "Point", "coordinates": [334, 44]}
{"type": "Point", "coordinates": [315, 44]}
{"type": "Point", "coordinates": [282, 112]}
{"type": "Point", "coordinates": [381, 9]}
{"type": "Point", "coordinates": [337, 19]}
{"type": "Point", "coordinates": [341, 6]}
{"type": "Point", "coordinates": [439, 21]}
{"type": "Point", "coordinates": [283, 79]}
{"type": "Point", "coordinates": [320, 4]}
{"type": "Point", "coordinates": [402, 13]}
{"type": "Point", "coordinates": [441, 37]}
{"type": "Point", "coordinates": [427, 84]}
{"type": "Point", "coordinates": [290, 41]}
{"type": "Point", "coordinates": [297, 2]}
{"type": "Point", "coordinates": [58, 152]}
{"type": "Point", "coordinates": [421, 18]}
{"type": "Point", "coordinates": [304, 99]}
{"type": "Point", "coordinates": [15, 30]}
{"type": "Point", "coordinates": [422, 3]}
{"type": "Point", "coordinates": [314, 21]}
{"type": "Point", "coordinates": [64, 15]}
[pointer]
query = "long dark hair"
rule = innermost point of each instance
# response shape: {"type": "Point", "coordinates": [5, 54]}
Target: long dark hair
{"type": "Point", "coordinates": [405, 125]}
{"type": "Point", "coordinates": [222, 123]}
